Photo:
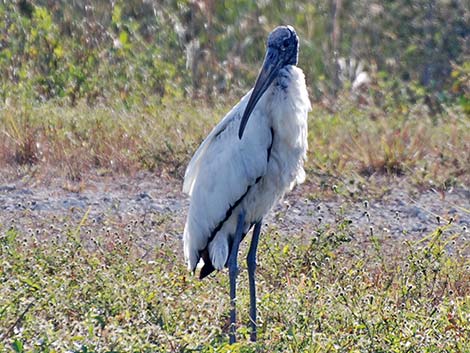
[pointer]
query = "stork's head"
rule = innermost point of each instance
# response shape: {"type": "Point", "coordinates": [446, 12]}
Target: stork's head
{"type": "Point", "coordinates": [284, 41]}
{"type": "Point", "coordinates": [282, 50]}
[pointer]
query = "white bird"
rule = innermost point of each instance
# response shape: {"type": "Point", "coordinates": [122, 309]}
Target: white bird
{"type": "Point", "coordinates": [245, 165]}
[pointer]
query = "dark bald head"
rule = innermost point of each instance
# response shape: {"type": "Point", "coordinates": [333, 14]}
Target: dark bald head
{"type": "Point", "coordinates": [285, 41]}
{"type": "Point", "coordinates": [282, 50]}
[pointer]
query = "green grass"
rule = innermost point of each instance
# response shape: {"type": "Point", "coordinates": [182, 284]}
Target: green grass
{"type": "Point", "coordinates": [73, 111]}
{"type": "Point", "coordinates": [75, 287]}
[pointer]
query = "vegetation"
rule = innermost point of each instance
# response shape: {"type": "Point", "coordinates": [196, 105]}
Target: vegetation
{"type": "Point", "coordinates": [104, 88]}
{"type": "Point", "coordinates": [134, 50]}
{"type": "Point", "coordinates": [49, 139]}
{"type": "Point", "coordinates": [115, 87]}
{"type": "Point", "coordinates": [73, 287]}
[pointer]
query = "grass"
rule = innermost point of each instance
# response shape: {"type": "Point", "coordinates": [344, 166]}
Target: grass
{"type": "Point", "coordinates": [74, 284]}
{"type": "Point", "coordinates": [161, 136]}
{"type": "Point", "coordinates": [102, 139]}
{"type": "Point", "coordinates": [77, 287]}
{"type": "Point", "coordinates": [368, 141]}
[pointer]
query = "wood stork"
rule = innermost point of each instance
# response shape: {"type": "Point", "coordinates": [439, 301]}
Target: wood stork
{"type": "Point", "coordinates": [245, 165]}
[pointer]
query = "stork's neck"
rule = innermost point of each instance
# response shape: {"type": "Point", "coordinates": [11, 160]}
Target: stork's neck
{"type": "Point", "coordinates": [289, 104]}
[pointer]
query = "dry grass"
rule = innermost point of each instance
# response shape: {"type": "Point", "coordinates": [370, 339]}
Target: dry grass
{"type": "Point", "coordinates": [81, 287]}
{"type": "Point", "coordinates": [77, 140]}
{"type": "Point", "coordinates": [161, 138]}
{"type": "Point", "coordinates": [368, 141]}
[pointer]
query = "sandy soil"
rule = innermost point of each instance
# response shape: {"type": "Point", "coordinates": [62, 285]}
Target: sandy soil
{"type": "Point", "coordinates": [154, 209]}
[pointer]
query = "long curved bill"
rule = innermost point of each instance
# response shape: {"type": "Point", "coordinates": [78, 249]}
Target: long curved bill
{"type": "Point", "coordinates": [269, 70]}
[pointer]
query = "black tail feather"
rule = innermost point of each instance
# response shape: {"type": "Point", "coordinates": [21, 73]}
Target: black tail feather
{"type": "Point", "coordinates": [208, 268]}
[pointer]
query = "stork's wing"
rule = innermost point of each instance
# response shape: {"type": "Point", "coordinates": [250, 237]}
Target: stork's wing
{"type": "Point", "coordinates": [221, 171]}
{"type": "Point", "coordinates": [222, 139]}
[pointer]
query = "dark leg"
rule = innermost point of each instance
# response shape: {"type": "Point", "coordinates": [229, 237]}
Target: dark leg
{"type": "Point", "coordinates": [233, 272]}
{"type": "Point", "coordinates": [251, 261]}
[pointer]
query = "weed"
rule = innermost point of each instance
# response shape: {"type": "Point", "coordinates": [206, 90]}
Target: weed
{"type": "Point", "coordinates": [317, 292]}
{"type": "Point", "coordinates": [113, 139]}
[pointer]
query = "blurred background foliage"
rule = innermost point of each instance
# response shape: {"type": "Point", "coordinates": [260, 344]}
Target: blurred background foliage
{"type": "Point", "coordinates": [141, 50]}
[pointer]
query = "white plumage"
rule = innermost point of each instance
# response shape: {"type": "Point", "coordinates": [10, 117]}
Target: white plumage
{"type": "Point", "coordinates": [245, 165]}
{"type": "Point", "coordinates": [224, 166]}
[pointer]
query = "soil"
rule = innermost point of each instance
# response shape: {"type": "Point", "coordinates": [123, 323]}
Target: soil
{"type": "Point", "coordinates": [154, 209]}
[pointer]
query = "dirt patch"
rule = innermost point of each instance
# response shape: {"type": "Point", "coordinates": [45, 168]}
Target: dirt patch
{"type": "Point", "coordinates": [154, 209]}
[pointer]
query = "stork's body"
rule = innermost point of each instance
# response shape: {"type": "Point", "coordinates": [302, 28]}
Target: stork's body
{"type": "Point", "coordinates": [243, 168]}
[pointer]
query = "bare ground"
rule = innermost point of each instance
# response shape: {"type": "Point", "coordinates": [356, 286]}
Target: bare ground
{"type": "Point", "coordinates": [153, 209]}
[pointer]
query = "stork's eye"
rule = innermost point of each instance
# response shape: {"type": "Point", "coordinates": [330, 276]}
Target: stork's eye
{"type": "Point", "coordinates": [285, 44]}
